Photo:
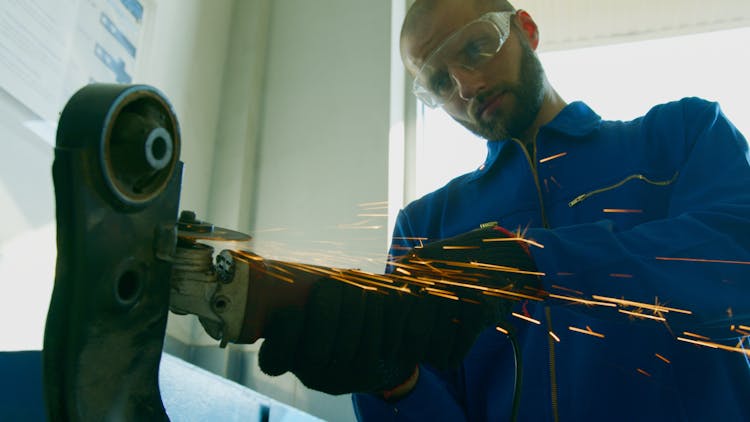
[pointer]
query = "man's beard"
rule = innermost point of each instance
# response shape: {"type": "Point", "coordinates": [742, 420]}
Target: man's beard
{"type": "Point", "coordinates": [529, 94]}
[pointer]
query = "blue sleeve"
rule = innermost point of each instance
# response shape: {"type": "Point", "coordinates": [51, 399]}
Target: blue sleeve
{"type": "Point", "coordinates": [696, 258]}
{"type": "Point", "coordinates": [430, 400]}
{"type": "Point", "coordinates": [403, 238]}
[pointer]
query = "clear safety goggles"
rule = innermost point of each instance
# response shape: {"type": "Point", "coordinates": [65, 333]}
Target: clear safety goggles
{"type": "Point", "coordinates": [466, 50]}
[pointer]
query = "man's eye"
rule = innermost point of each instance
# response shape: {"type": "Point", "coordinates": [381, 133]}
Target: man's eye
{"type": "Point", "coordinates": [476, 50]}
{"type": "Point", "coordinates": [441, 83]}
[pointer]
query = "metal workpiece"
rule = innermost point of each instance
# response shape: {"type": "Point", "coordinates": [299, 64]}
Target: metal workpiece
{"type": "Point", "coordinates": [117, 179]}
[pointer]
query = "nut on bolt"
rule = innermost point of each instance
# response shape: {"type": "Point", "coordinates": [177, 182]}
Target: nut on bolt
{"type": "Point", "coordinates": [225, 266]}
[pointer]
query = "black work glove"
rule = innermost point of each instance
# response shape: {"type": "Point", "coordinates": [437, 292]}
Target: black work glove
{"type": "Point", "coordinates": [353, 340]}
{"type": "Point", "coordinates": [348, 339]}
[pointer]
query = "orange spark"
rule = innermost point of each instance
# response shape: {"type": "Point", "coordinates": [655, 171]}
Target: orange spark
{"type": "Point", "coordinates": [555, 286]}
{"type": "Point", "coordinates": [465, 285]}
{"type": "Point", "coordinates": [441, 293]}
{"type": "Point", "coordinates": [447, 247]}
{"type": "Point", "coordinates": [361, 225]}
{"type": "Point", "coordinates": [713, 261]}
{"type": "Point", "coordinates": [410, 238]}
{"type": "Point", "coordinates": [525, 318]}
{"type": "Point", "coordinates": [643, 372]}
{"type": "Point", "coordinates": [744, 327]}
{"type": "Point", "coordinates": [465, 299]}
{"type": "Point", "coordinates": [373, 204]}
{"type": "Point", "coordinates": [417, 266]}
{"type": "Point", "coordinates": [403, 271]}
{"type": "Point", "coordinates": [420, 280]}
{"type": "Point", "coordinates": [444, 296]}
{"type": "Point", "coordinates": [716, 346]}
{"type": "Point", "coordinates": [588, 331]}
{"type": "Point", "coordinates": [689, 334]}
{"type": "Point", "coordinates": [401, 248]}
{"type": "Point", "coordinates": [504, 269]}
{"type": "Point", "coordinates": [272, 230]}
{"type": "Point", "coordinates": [350, 277]}
{"type": "Point", "coordinates": [478, 266]}
{"type": "Point", "coordinates": [515, 239]}
{"type": "Point", "coordinates": [642, 315]}
{"type": "Point", "coordinates": [583, 301]}
{"type": "Point", "coordinates": [554, 336]}
{"type": "Point", "coordinates": [249, 255]}
{"type": "Point", "coordinates": [361, 286]}
{"type": "Point", "coordinates": [662, 358]}
{"type": "Point", "coordinates": [372, 276]}
{"type": "Point", "coordinates": [640, 305]}
{"type": "Point", "coordinates": [502, 330]}
{"type": "Point", "coordinates": [621, 211]}
{"type": "Point", "coordinates": [280, 269]}
{"type": "Point", "coordinates": [509, 293]}
{"type": "Point", "coordinates": [374, 283]}
{"type": "Point", "coordinates": [280, 277]}
{"type": "Point", "coordinates": [618, 275]}
{"type": "Point", "coordinates": [552, 157]}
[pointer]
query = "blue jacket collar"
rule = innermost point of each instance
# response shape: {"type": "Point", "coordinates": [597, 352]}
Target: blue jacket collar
{"type": "Point", "coordinates": [575, 120]}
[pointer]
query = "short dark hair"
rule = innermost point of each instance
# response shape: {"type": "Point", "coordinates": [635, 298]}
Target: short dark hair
{"type": "Point", "coordinates": [420, 8]}
{"type": "Point", "coordinates": [414, 16]}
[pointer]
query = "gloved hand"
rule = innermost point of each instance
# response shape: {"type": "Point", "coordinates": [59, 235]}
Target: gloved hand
{"type": "Point", "coordinates": [348, 339]}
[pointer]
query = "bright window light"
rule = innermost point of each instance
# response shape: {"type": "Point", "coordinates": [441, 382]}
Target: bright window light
{"type": "Point", "coordinates": [619, 82]}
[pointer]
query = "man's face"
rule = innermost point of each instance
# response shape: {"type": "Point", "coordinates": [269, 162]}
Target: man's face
{"type": "Point", "coordinates": [502, 98]}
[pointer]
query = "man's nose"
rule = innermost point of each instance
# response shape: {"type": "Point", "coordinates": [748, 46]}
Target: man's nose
{"type": "Point", "coordinates": [469, 82]}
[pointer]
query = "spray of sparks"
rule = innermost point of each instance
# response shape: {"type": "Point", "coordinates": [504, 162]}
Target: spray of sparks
{"type": "Point", "coordinates": [469, 281]}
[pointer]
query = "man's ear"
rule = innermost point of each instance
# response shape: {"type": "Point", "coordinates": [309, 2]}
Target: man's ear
{"type": "Point", "coordinates": [528, 27]}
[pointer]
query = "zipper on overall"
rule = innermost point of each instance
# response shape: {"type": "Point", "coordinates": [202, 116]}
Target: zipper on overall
{"type": "Point", "coordinates": [580, 198]}
{"type": "Point", "coordinates": [531, 158]}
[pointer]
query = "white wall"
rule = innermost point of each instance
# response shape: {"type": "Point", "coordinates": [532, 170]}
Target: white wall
{"type": "Point", "coordinates": [184, 54]}
{"type": "Point", "coordinates": [323, 149]}
{"type": "Point", "coordinates": [324, 130]}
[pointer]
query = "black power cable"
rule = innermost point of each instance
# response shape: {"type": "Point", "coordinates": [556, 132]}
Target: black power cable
{"type": "Point", "coordinates": [519, 377]}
